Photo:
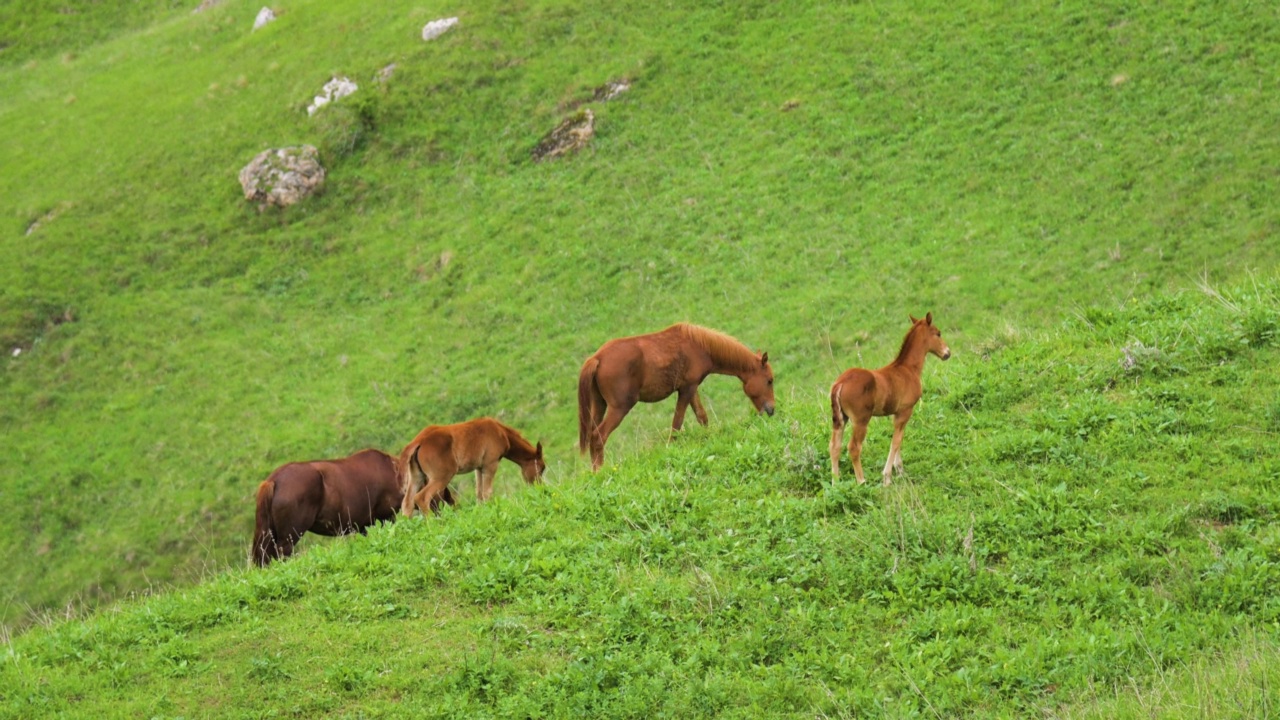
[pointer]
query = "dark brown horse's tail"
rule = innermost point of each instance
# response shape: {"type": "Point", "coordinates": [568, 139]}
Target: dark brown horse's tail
{"type": "Point", "coordinates": [264, 539]}
{"type": "Point", "coordinates": [587, 392]}
{"type": "Point", "coordinates": [837, 415]}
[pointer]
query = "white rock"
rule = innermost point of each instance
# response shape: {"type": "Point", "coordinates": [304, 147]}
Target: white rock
{"type": "Point", "coordinates": [17, 351]}
{"type": "Point", "coordinates": [335, 89]}
{"type": "Point", "coordinates": [264, 16]}
{"type": "Point", "coordinates": [436, 28]}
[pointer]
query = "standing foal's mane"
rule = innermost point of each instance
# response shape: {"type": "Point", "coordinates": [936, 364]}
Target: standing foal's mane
{"type": "Point", "coordinates": [724, 350]}
{"type": "Point", "coordinates": [904, 353]}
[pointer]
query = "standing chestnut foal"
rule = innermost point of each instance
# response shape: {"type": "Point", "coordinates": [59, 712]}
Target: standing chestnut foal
{"type": "Point", "coordinates": [440, 452]}
{"type": "Point", "coordinates": [650, 368]}
{"type": "Point", "coordinates": [892, 390]}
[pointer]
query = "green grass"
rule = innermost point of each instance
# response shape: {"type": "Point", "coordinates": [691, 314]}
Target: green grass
{"type": "Point", "coordinates": [802, 177]}
{"type": "Point", "coordinates": [1076, 538]}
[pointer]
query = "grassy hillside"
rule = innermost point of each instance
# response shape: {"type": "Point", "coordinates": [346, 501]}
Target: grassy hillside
{"type": "Point", "coordinates": [801, 177]}
{"type": "Point", "coordinates": [1088, 530]}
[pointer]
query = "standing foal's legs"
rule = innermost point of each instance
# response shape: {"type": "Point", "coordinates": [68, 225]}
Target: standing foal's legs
{"type": "Point", "coordinates": [855, 446]}
{"type": "Point", "coordinates": [895, 449]}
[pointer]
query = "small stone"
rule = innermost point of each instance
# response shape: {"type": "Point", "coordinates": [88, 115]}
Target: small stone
{"type": "Point", "coordinates": [264, 16]}
{"type": "Point", "coordinates": [611, 90]}
{"type": "Point", "coordinates": [568, 137]}
{"type": "Point", "coordinates": [335, 89]}
{"type": "Point", "coordinates": [385, 73]}
{"type": "Point", "coordinates": [436, 28]}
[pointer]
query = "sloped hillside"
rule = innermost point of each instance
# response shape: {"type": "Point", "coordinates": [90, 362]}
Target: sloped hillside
{"type": "Point", "coordinates": [1088, 529]}
{"type": "Point", "coordinates": [801, 176]}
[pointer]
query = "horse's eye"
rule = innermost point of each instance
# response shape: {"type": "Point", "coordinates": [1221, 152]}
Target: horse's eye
{"type": "Point", "coordinates": [770, 383]}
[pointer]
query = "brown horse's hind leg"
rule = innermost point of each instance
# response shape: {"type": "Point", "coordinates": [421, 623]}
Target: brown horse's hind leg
{"type": "Point", "coordinates": [855, 447]}
{"type": "Point", "coordinates": [612, 419]}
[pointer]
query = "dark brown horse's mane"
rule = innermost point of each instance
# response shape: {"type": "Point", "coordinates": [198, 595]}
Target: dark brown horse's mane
{"type": "Point", "coordinates": [725, 350]}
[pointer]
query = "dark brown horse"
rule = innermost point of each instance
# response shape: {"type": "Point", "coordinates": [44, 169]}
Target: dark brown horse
{"type": "Point", "coordinates": [326, 497]}
{"type": "Point", "coordinates": [650, 368]}
{"type": "Point", "coordinates": [440, 452]}
{"type": "Point", "coordinates": [892, 390]}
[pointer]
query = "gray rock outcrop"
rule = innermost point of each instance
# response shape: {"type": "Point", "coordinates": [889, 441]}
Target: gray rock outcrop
{"type": "Point", "coordinates": [282, 176]}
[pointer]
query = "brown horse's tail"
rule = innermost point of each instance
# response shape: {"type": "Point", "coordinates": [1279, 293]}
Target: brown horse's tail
{"type": "Point", "coordinates": [837, 415]}
{"type": "Point", "coordinates": [264, 539]}
{"type": "Point", "coordinates": [588, 394]}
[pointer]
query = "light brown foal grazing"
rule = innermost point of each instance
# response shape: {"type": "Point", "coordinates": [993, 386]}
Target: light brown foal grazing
{"type": "Point", "coordinates": [650, 368]}
{"type": "Point", "coordinates": [892, 390]}
{"type": "Point", "coordinates": [440, 452]}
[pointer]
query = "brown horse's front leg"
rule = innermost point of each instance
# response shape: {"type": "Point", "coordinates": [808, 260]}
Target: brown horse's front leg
{"type": "Point", "coordinates": [682, 404]}
{"type": "Point", "coordinates": [698, 411]}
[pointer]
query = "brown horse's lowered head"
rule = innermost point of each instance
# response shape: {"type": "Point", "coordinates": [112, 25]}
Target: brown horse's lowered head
{"type": "Point", "coordinates": [757, 383]}
{"type": "Point", "coordinates": [930, 336]}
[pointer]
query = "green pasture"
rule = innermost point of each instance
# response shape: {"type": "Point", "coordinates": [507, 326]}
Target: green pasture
{"type": "Point", "coordinates": [1082, 194]}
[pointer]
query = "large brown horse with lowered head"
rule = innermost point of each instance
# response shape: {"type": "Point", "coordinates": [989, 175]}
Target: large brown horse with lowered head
{"type": "Point", "coordinates": [650, 368]}
{"type": "Point", "coordinates": [325, 497]}
{"type": "Point", "coordinates": [892, 390]}
{"type": "Point", "coordinates": [440, 452]}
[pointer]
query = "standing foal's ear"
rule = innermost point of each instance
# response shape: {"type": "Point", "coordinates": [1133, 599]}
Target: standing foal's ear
{"type": "Point", "coordinates": [764, 359]}
{"type": "Point", "coordinates": [928, 318]}
{"type": "Point", "coordinates": [914, 319]}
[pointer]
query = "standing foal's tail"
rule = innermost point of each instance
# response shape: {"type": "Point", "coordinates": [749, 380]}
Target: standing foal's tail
{"type": "Point", "coordinates": [264, 536]}
{"type": "Point", "coordinates": [588, 398]}
{"type": "Point", "coordinates": [837, 430]}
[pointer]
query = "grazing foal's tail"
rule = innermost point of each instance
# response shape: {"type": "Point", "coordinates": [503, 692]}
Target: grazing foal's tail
{"type": "Point", "coordinates": [588, 394]}
{"type": "Point", "coordinates": [837, 415]}
{"type": "Point", "coordinates": [408, 462]}
{"type": "Point", "coordinates": [264, 540]}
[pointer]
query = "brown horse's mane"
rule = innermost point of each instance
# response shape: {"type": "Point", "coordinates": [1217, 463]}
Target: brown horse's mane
{"type": "Point", "coordinates": [725, 350]}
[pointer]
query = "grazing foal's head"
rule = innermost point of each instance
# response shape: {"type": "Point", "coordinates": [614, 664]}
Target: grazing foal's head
{"type": "Point", "coordinates": [758, 385]}
{"type": "Point", "coordinates": [533, 468]}
{"type": "Point", "coordinates": [930, 336]}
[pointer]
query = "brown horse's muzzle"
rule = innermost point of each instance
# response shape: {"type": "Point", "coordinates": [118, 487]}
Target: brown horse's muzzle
{"type": "Point", "coordinates": [768, 409]}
